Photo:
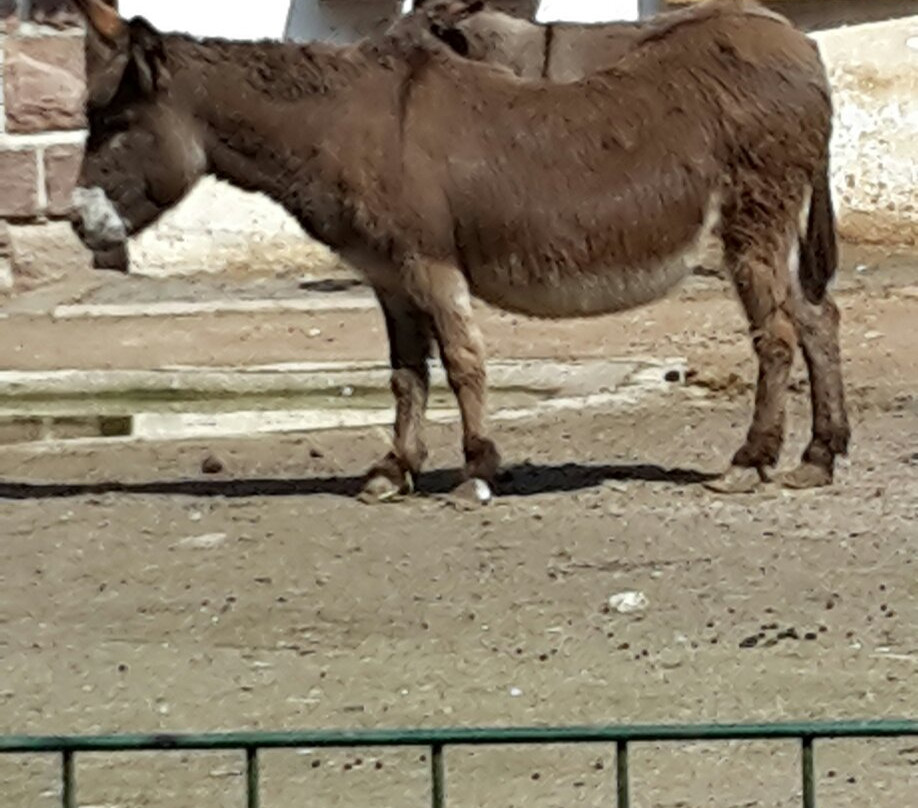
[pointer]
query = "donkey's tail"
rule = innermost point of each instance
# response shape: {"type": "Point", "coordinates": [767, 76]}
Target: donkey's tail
{"type": "Point", "coordinates": [819, 245]}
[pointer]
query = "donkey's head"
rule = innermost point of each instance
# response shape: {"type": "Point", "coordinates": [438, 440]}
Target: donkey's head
{"type": "Point", "coordinates": [143, 151]}
{"type": "Point", "coordinates": [444, 18]}
{"type": "Point", "coordinates": [481, 33]}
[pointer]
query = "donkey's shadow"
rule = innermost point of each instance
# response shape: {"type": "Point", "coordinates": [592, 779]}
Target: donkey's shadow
{"type": "Point", "coordinates": [523, 480]}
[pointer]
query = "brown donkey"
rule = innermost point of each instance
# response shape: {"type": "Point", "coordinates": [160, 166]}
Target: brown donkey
{"type": "Point", "coordinates": [440, 178]}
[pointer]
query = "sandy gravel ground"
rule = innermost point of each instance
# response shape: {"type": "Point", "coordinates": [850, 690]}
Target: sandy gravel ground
{"type": "Point", "coordinates": [137, 594]}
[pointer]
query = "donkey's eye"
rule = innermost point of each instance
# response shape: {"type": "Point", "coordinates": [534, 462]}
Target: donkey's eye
{"type": "Point", "coordinates": [120, 121]}
{"type": "Point", "coordinates": [111, 121]}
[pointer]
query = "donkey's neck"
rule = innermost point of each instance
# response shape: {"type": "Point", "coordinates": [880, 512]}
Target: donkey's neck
{"type": "Point", "coordinates": [270, 112]}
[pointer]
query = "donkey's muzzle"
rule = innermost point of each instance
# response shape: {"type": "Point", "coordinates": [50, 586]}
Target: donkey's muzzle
{"type": "Point", "coordinates": [96, 221]}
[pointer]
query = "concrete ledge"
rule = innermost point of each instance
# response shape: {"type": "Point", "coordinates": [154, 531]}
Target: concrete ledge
{"type": "Point", "coordinates": [177, 308]}
{"type": "Point", "coordinates": [49, 411]}
{"type": "Point", "coordinates": [562, 378]}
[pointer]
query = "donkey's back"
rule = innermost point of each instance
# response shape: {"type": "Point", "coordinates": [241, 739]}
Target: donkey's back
{"type": "Point", "coordinates": [601, 194]}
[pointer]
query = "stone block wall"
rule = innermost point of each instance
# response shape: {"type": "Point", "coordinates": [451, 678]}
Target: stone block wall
{"type": "Point", "coordinates": [41, 115]}
{"type": "Point", "coordinates": [41, 107]}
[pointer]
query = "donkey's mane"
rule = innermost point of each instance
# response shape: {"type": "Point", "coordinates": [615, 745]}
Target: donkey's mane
{"type": "Point", "coordinates": [285, 71]}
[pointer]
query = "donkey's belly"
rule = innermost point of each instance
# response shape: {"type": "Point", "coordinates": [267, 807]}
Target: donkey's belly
{"type": "Point", "coordinates": [541, 289]}
{"type": "Point", "coordinates": [601, 290]}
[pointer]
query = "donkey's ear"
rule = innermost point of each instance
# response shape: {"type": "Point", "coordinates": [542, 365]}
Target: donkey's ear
{"type": "Point", "coordinates": [103, 20]}
{"type": "Point", "coordinates": [460, 9]}
{"type": "Point", "coordinates": [147, 55]}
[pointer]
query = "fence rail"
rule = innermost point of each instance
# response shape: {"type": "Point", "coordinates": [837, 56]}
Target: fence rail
{"type": "Point", "coordinates": [436, 740]}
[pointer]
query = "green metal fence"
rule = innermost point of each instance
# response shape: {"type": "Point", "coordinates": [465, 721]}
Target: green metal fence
{"type": "Point", "coordinates": [437, 739]}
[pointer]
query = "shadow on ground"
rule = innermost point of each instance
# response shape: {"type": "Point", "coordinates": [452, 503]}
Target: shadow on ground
{"type": "Point", "coordinates": [521, 480]}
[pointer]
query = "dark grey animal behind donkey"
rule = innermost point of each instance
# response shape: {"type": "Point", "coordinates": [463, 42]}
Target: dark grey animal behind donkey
{"type": "Point", "coordinates": [560, 51]}
{"type": "Point", "coordinates": [557, 51]}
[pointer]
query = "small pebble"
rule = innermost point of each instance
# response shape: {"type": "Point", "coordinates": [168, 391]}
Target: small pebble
{"type": "Point", "coordinates": [212, 465]}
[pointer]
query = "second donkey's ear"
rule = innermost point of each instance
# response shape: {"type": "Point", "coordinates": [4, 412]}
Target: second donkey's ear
{"type": "Point", "coordinates": [449, 12]}
{"type": "Point", "coordinates": [454, 7]}
{"type": "Point", "coordinates": [465, 8]}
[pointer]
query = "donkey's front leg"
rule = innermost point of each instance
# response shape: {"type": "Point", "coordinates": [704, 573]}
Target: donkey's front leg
{"type": "Point", "coordinates": [409, 331]}
{"type": "Point", "coordinates": [442, 290]}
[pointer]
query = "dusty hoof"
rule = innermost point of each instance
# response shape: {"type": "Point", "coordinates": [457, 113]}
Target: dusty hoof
{"type": "Point", "coordinates": [806, 475]}
{"type": "Point", "coordinates": [379, 488]}
{"type": "Point", "coordinates": [737, 480]}
{"type": "Point", "coordinates": [473, 493]}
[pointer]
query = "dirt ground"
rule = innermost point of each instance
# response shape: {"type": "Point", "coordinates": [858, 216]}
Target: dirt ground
{"type": "Point", "coordinates": [137, 594]}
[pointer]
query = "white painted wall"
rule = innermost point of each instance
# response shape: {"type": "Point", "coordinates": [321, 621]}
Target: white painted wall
{"type": "Point", "coordinates": [587, 10]}
{"type": "Point", "coordinates": [218, 18]}
{"type": "Point", "coordinates": [338, 21]}
{"type": "Point", "coordinates": [578, 10]}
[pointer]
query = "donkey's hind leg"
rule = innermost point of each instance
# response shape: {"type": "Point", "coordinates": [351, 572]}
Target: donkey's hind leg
{"type": "Point", "coordinates": [818, 333]}
{"type": "Point", "coordinates": [758, 262]}
{"type": "Point", "coordinates": [817, 329]}
{"type": "Point", "coordinates": [409, 331]}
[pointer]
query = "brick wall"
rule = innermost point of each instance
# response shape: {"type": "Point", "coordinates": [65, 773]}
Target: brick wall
{"type": "Point", "coordinates": [41, 107]}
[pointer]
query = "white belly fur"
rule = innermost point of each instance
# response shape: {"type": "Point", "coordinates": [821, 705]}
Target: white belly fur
{"type": "Point", "coordinates": [599, 290]}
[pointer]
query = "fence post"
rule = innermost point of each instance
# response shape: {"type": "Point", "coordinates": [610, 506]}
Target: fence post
{"type": "Point", "coordinates": [68, 780]}
{"type": "Point", "coordinates": [621, 774]}
{"type": "Point", "coordinates": [437, 776]}
{"type": "Point", "coordinates": [809, 783]}
{"type": "Point", "coordinates": [253, 800]}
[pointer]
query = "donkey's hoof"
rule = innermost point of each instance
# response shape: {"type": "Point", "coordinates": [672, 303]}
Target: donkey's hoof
{"type": "Point", "coordinates": [737, 480]}
{"type": "Point", "coordinates": [381, 488]}
{"type": "Point", "coordinates": [473, 493]}
{"type": "Point", "coordinates": [806, 475]}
